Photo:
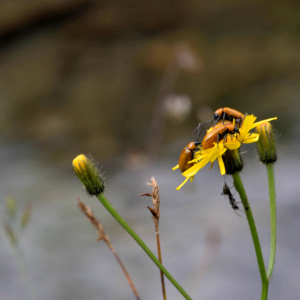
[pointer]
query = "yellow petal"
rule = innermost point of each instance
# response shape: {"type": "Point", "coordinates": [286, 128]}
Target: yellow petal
{"type": "Point", "coordinates": [195, 168]}
{"type": "Point", "coordinates": [232, 146]}
{"type": "Point", "coordinates": [224, 150]}
{"type": "Point", "coordinates": [254, 137]}
{"type": "Point", "coordinates": [176, 167]}
{"type": "Point", "coordinates": [247, 125]}
{"type": "Point", "coordinates": [231, 138]}
{"type": "Point", "coordinates": [192, 178]}
{"type": "Point", "coordinates": [202, 152]}
{"type": "Point", "coordinates": [217, 154]}
{"type": "Point", "coordinates": [180, 186]}
{"type": "Point", "coordinates": [267, 120]}
{"type": "Point", "coordinates": [214, 155]}
{"type": "Point", "coordinates": [198, 158]}
{"type": "Point", "coordinates": [221, 165]}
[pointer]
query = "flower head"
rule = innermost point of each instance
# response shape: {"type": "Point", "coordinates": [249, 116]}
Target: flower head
{"type": "Point", "coordinates": [245, 137]}
{"type": "Point", "coordinates": [232, 142]}
{"type": "Point", "coordinates": [87, 172]}
{"type": "Point", "coordinates": [266, 144]}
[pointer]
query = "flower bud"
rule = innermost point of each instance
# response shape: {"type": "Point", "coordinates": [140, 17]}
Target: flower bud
{"type": "Point", "coordinates": [233, 161]}
{"type": "Point", "coordinates": [90, 177]}
{"type": "Point", "coordinates": [266, 144]}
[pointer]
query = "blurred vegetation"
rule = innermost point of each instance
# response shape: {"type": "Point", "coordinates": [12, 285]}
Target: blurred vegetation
{"type": "Point", "coordinates": [85, 76]}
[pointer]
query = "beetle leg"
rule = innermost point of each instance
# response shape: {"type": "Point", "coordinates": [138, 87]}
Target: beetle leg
{"type": "Point", "coordinates": [236, 212]}
{"type": "Point", "coordinates": [218, 139]}
{"type": "Point", "coordinates": [225, 137]}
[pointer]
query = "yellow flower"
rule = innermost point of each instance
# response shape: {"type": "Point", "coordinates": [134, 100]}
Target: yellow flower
{"type": "Point", "coordinates": [234, 142]}
{"type": "Point", "coordinates": [204, 156]}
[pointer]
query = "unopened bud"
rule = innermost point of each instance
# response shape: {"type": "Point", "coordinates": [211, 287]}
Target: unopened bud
{"type": "Point", "coordinates": [266, 144]}
{"type": "Point", "coordinates": [89, 175]}
{"type": "Point", "coordinates": [233, 161]}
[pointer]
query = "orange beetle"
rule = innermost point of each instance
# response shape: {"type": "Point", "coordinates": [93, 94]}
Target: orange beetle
{"type": "Point", "coordinates": [227, 113]}
{"type": "Point", "coordinates": [218, 133]}
{"type": "Point", "coordinates": [187, 155]}
{"type": "Point", "coordinates": [188, 151]}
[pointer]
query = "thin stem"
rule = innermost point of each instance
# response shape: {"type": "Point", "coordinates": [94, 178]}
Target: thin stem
{"type": "Point", "coordinates": [24, 272]}
{"type": "Point", "coordinates": [272, 219]}
{"type": "Point", "coordinates": [264, 290]}
{"type": "Point", "coordinates": [102, 236]}
{"type": "Point", "coordinates": [115, 214]}
{"type": "Point", "coordinates": [162, 279]}
{"type": "Point", "coordinates": [240, 188]}
{"type": "Point", "coordinates": [106, 239]}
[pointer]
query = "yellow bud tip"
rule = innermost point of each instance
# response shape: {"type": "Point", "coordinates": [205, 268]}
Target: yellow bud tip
{"type": "Point", "coordinates": [87, 172]}
{"type": "Point", "coordinates": [79, 163]}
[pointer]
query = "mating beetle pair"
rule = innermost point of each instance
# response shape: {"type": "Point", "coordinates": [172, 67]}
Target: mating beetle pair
{"type": "Point", "coordinates": [219, 132]}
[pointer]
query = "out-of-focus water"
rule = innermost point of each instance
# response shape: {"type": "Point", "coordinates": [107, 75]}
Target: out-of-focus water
{"type": "Point", "coordinates": [205, 245]}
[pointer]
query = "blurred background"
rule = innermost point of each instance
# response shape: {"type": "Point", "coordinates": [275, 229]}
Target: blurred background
{"type": "Point", "coordinates": [128, 82]}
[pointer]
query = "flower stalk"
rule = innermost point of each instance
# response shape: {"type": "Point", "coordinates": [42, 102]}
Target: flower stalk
{"type": "Point", "coordinates": [266, 146]}
{"type": "Point", "coordinates": [260, 260]}
{"type": "Point", "coordinates": [93, 181]}
{"type": "Point", "coordinates": [115, 214]}
{"type": "Point", "coordinates": [272, 219]}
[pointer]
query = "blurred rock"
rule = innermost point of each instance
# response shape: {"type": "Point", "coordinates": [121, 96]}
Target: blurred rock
{"type": "Point", "coordinates": [17, 13]}
{"type": "Point", "coordinates": [117, 18]}
{"type": "Point", "coordinates": [27, 74]}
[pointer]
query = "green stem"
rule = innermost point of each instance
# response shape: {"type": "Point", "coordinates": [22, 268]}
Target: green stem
{"type": "Point", "coordinates": [272, 219]}
{"type": "Point", "coordinates": [240, 188]}
{"type": "Point", "coordinates": [115, 214]}
{"type": "Point", "coordinates": [264, 290]}
{"type": "Point", "coordinates": [24, 272]}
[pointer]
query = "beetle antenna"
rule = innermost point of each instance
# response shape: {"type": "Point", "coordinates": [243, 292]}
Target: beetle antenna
{"type": "Point", "coordinates": [217, 120]}
{"type": "Point", "coordinates": [199, 129]}
{"type": "Point", "coordinates": [243, 120]}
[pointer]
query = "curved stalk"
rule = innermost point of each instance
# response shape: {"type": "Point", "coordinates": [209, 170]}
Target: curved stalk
{"type": "Point", "coordinates": [240, 188]}
{"type": "Point", "coordinates": [115, 214]}
{"type": "Point", "coordinates": [272, 219]}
